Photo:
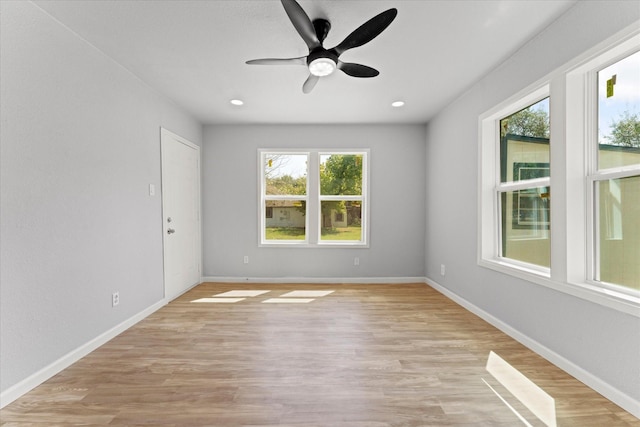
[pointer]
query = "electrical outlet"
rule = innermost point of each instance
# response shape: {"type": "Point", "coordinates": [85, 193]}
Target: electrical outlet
{"type": "Point", "coordinates": [246, 259]}
{"type": "Point", "coordinates": [442, 269]}
{"type": "Point", "coordinates": [356, 261]}
{"type": "Point", "coordinates": [115, 299]}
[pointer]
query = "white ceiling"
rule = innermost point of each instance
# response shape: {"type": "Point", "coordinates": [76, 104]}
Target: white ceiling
{"type": "Point", "coordinates": [194, 53]}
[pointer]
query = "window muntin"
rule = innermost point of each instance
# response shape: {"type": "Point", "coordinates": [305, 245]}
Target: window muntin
{"type": "Point", "coordinates": [341, 196]}
{"type": "Point", "coordinates": [313, 197]}
{"type": "Point", "coordinates": [523, 190]}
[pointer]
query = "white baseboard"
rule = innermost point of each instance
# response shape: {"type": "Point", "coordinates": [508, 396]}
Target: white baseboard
{"type": "Point", "coordinates": [311, 280]}
{"type": "Point", "coordinates": [29, 383]}
{"type": "Point", "coordinates": [616, 396]}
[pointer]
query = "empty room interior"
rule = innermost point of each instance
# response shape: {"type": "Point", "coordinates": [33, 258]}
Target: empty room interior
{"type": "Point", "coordinates": [320, 213]}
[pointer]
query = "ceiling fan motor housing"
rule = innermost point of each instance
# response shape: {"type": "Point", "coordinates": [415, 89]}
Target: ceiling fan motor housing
{"type": "Point", "coordinates": [321, 52]}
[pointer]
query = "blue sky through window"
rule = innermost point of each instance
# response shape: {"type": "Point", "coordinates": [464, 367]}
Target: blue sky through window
{"type": "Point", "coordinates": [626, 93]}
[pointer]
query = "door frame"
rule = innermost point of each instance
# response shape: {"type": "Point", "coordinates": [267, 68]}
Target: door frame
{"type": "Point", "coordinates": [165, 134]}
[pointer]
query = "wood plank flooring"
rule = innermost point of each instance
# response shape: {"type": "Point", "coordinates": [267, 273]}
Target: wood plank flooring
{"type": "Point", "coordinates": [362, 356]}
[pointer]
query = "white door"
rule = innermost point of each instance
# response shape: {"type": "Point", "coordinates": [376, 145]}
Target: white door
{"type": "Point", "coordinates": [181, 213]}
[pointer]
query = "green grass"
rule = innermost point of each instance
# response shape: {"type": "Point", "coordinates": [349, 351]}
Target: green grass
{"type": "Point", "coordinates": [352, 233]}
{"type": "Point", "coordinates": [342, 233]}
{"type": "Point", "coordinates": [284, 233]}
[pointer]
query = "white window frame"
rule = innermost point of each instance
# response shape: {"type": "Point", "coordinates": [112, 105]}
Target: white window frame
{"type": "Point", "coordinates": [313, 200]}
{"type": "Point", "coordinates": [491, 187]}
{"type": "Point", "coordinates": [582, 85]}
{"type": "Point", "coordinates": [265, 197]}
{"type": "Point", "coordinates": [573, 103]}
{"type": "Point", "coordinates": [353, 198]}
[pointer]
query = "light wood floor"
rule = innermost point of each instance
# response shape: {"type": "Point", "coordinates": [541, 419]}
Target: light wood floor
{"type": "Point", "coordinates": [364, 355]}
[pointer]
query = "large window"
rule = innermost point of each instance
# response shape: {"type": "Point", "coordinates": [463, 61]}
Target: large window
{"type": "Point", "coordinates": [284, 187]}
{"type": "Point", "coordinates": [573, 137]}
{"type": "Point", "coordinates": [516, 184]}
{"type": "Point", "coordinates": [313, 198]}
{"type": "Point", "coordinates": [341, 197]}
{"type": "Point", "coordinates": [524, 187]}
{"type": "Point", "coordinates": [615, 176]}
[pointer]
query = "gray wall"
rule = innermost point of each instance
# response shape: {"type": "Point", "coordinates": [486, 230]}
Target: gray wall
{"type": "Point", "coordinates": [230, 202]}
{"type": "Point", "coordinates": [80, 145]}
{"type": "Point", "coordinates": [602, 341]}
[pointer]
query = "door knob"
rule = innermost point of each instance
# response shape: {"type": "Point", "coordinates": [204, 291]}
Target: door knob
{"type": "Point", "coordinates": [170, 231]}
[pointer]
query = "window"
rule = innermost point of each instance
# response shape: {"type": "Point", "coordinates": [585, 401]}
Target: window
{"type": "Point", "coordinates": [583, 139]}
{"type": "Point", "coordinates": [313, 198]}
{"type": "Point", "coordinates": [284, 187]}
{"type": "Point", "coordinates": [615, 178]}
{"type": "Point", "coordinates": [341, 197]}
{"type": "Point", "coordinates": [524, 189]}
{"type": "Point", "coordinates": [516, 184]}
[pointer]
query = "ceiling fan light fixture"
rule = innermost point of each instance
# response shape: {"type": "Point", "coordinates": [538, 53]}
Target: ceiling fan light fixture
{"type": "Point", "coordinates": [321, 61]}
{"type": "Point", "coordinates": [322, 66]}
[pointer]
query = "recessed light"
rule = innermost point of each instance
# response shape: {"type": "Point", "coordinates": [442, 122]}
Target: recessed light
{"type": "Point", "coordinates": [237, 102]}
{"type": "Point", "coordinates": [397, 104]}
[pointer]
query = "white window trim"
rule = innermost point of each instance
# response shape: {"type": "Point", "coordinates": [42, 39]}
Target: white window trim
{"type": "Point", "coordinates": [313, 198]}
{"type": "Point", "coordinates": [581, 83]}
{"type": "Point", "coordinates": [491, 186]}
{"type": "Point", "coordinates": [362, 198]}
{"type": "Point", "coordinates": [571, 216]}
{"type": "Point", "coordinates": [264, 198]}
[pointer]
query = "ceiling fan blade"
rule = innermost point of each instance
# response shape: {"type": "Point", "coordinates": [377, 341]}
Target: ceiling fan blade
{"type": "Point", "coordinates": [279, 61]}
{"type": "Point", "coordinates": [357, 70]}
{"type": "Point", "coordinates": [302, 23]}
{"type": "Point", "coordinates": [367, 31]}
{"type": "Point", "coordinates": [310, 83]}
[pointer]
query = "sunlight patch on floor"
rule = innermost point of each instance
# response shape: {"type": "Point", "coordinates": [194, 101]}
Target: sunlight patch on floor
{"type": "Point", "coordinates": [292, 297]}
{"type": "Point", "coordinates": [288, 300]}
{"type": "Point", "coordinates": [219, 300]}
{"type": "Point", "coordinates": [240, 293]}
{"type": "Point", "coordinates": [534, 398]}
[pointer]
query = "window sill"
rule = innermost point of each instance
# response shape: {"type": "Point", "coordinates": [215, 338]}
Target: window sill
{"type": "Point", "coordinates": [619, 301]}
{"type": "Point", "coordinates": [291, 245]}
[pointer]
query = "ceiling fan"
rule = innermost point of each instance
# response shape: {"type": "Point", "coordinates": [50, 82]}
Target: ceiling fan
{"type": "Point", "coordinates": [320, 61]}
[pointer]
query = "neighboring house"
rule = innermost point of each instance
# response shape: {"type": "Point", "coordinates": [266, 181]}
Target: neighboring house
{"type": "Point", "coordinates": [284, 213]}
